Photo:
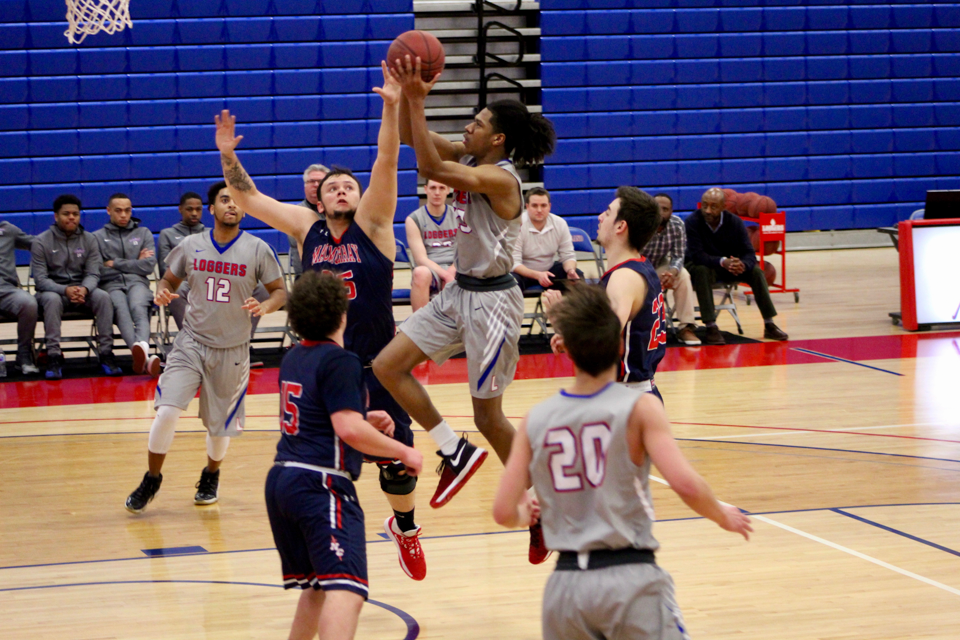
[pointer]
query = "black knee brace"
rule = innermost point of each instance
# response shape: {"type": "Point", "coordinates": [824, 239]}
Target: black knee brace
{"type": "Point", "coordinates": [395, 481]}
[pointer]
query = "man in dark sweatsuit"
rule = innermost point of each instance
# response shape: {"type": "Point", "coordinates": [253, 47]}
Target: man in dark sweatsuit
{"type": "Point", "coordinates": [719, 250]}
{"type": "Point", "coordinates": [15, 303]}
{"type": "Point", "coordinates": [128, 252]}
{"type": "Point", "coordinates": [191, 211]}
{"type": "Point", "coordinates": [66, 268]}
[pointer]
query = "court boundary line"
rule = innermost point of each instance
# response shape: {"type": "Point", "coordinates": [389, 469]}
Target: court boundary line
{"type": "Point", "coordinates": [413, 627]}
{"type": "Point", "coordinates": [839, 547]}
{"type": "Point", "coordinates": [896, 531]}
{"type": "Point", "coordinates": [468, 535]}
{"type": "Point", "coordinates": [839, 359]}
{"type": "Point", "coordinates": [800, 446]}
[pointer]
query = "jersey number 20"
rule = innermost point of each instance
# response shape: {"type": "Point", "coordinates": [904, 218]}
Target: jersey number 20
{"type": "Point", "coordinates": [567, 453]}
{"type": "Point", "coordinates": [288, 392]}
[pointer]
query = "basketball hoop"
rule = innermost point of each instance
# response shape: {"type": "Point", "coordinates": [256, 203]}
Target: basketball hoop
{"type": "Point", "coordinates": [86, 17]}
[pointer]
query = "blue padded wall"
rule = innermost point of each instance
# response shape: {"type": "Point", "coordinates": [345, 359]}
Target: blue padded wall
{"type": "Point", "coordinates": [133, 111]}
{"type": "Point", "coordinates": [844, 112]}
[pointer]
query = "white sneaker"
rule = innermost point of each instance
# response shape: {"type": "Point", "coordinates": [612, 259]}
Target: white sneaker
{"type": "Point", "coordinates": [29, 369]}
{"type": "Point", "coordinates": [153, 366]}
{"type": "Point", "coordinates": [140, 351]}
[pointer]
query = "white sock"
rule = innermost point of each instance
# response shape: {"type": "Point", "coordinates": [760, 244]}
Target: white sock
{"type": "Point", "coordinates": [445, 438]}
{"type": "Point", "coordinates": [163, 428]}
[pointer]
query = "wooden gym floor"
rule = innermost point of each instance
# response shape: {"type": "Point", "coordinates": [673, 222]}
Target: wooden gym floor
{"type": "Point", "coordinates": [844, 444]}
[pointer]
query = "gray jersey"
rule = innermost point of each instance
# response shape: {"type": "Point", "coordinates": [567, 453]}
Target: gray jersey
{"type": "Point", "coordinates": [439, 237]}
{"type": "Point", "coordinates": [11, 237]}
{"type": "Point", "coordinates": [591, 494]}
{"type": "Point", "coordinates": [220, 279]}
{"type": "Point", "coordinates": [485, 240]}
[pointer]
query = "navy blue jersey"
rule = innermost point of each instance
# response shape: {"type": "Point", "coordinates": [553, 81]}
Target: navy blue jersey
{"type": "Point", "coordinates": [368, 275]}
{"type": "Point", "coordinates": [645, 335]}
{"type": "Point", "coordinates": [317, 379]}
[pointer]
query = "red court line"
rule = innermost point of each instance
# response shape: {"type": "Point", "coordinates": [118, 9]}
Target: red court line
{"type": "Point", "coordinates": [840, 431]}
{"type": "Point", "coordinates": [41, 393]}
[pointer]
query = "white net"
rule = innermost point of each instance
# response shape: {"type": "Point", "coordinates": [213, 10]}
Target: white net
{"type": "Point", "coordinates": [86, 17]}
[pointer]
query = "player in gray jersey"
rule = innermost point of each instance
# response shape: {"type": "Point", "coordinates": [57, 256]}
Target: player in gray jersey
{"type": "Point", "coordinates": [481, 311]}
{"type": "Point", "coordinates": [212, 352]}
{"type": "Point", "coordinates": [432, 239]}
{"type": "Point", "coordinates": [587, 451]}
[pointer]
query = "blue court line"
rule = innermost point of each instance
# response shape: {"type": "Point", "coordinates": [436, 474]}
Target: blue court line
{"type": "Point", "coordinates": [488, 533]}
{"type": "Point", "coordinates": [897, 531]}
{"type": "Point", "coordinates": [829, 357]}
{"type": "Point", "coordinates": [797, 446]}
{"type": "Point", "coordinates": [413, 627]}
{"type": "Point", "coordinates": [173, 551]}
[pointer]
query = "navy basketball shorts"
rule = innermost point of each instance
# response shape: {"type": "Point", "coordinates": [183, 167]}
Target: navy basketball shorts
{"type": "Point", "coordinates": [318, 528]}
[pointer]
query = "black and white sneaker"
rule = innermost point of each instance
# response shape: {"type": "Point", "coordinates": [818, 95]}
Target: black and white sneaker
{"type": "Point", "coordinates": [142, 495]}
{"type": "Point", "coordinates": [207, 487]}
{"type": "Point", "coordinates": [455, 470]}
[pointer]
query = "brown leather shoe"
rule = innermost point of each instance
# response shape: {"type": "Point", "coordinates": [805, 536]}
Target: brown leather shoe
{"type": "Point", "coordinates": [773, 332]}
{"type": "Point", "coordinates": [714, 336]}
{"type": "Point", "coordinates": [688, 337]}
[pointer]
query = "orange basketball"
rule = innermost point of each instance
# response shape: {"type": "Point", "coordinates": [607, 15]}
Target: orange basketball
{"type": "Point", "coordinates": [422, 44]}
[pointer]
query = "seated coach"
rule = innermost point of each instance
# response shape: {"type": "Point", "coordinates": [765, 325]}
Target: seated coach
{"type": "Point", "coordinates": [719, 250]}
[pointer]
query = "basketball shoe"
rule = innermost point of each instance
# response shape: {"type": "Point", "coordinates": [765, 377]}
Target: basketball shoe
{"type": "Point", "coordinates": [207, 487]}
{"type": "Point", "coordinates": [455, 470]}
{"type": "Point", "coordinates": [408, 549]}
{"type": "Point", "coordinates": [140, 351]}
{"type": "Point", "coordinates": [142, 495]}
{"type": "Point", "coordinates": [538, 553]}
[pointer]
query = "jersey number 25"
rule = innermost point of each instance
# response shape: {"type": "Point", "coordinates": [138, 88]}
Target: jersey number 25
{"type": "Point", "coordinates": [658, 334]}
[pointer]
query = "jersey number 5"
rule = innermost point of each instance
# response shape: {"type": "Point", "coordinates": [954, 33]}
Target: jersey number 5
{"type": "Point", "coordinates": [347, 277]}
{"type": "Point", "coordinates": [566, 452]}
{"type": "Point", "coordinates": [658, 335]}
{"type": "Point", "coordinates": [288, 392]}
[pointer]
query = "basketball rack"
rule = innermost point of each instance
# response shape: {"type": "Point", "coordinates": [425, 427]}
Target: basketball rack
{"type": "Point", "coordinates": [773, 228]}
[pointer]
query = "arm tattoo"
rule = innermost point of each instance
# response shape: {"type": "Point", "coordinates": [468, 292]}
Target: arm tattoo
{"type": "Point", "coordinates": [235, 174]}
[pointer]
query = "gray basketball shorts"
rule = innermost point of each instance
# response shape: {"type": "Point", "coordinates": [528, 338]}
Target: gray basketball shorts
{"type": "Point", "coordinates": [485, 324]}
{"type": "Point", "coordinates": [220, 374]}
{"type": "Point", "coordinates": [623, 602]}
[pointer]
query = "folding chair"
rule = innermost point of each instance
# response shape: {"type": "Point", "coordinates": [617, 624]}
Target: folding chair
{"type": "Point", "coordinates": [582, 244]}
{"type": "Point", "coordinates": [726, 302]}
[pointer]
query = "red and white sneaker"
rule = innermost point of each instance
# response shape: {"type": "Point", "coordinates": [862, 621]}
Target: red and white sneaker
{"type": "Point", "coordinates": [408, 549]}
{"type": "Point", "coordinates": [455, 470]}
{"type": "Point", "coordinates": [153, 366]}
{"type": "Point", "coordinates": [538, 553]}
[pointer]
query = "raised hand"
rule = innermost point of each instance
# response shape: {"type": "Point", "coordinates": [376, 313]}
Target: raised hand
{"type": "Point", "coordinates": [390, 91]}
{"type": "Point", "coordinates": [226, 125]}
{"type": "Point", "coordinates": [407, 73]}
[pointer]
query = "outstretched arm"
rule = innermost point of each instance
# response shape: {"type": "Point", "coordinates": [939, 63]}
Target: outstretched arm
{"type": "Point", "coordinates": [649, 431]}
{"type": "Point", "coordinates": [289, 218]}
{"type": "Point", "coordinates": [491, 180]}
{"type": "Point", "coordinates": [379, 201]}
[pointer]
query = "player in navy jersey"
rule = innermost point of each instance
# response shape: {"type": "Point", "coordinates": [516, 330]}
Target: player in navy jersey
{"type": "Point", "coordinates": [314, 513]}
{"type": "Point", "coordinates": [632, 284]}
{"type": "Point", "coordinates": [354, 240]}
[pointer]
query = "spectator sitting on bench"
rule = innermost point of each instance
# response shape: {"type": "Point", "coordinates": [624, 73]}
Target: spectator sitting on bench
{"type": "Point", "coordinates": [665, 252]}
{"type": "Point", "coordinates": [66, 264]}
{"type": "Point", "coordinates": [432, 239]}
{"type": "Point", "coordinates": [127, 250]}
{"type": "Point", "coordinates": [191, 211]}
{"type": "Point", "coordinates": [16, 303]}
{"type": "Point", "coordinates": [719, 250]}
{"type": "Point", "coordinates": [544, 251]}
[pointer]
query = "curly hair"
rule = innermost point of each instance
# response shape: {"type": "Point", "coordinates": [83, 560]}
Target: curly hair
{"type": "Point", "coordinates": [529, 136]}
{"type": "Point", "coordinates": [316, 305]}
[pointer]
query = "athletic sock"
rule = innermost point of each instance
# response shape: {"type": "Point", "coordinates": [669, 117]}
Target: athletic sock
{"type": "Point", "coordinates": [405, 520]}
{"type": "Point", "coordinates": [445, 438]}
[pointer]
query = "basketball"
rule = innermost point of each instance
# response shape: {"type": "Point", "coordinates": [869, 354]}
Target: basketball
{"type": "Point", "coordinates": [422, 44]}
{"type": "Point", "coordinates": [770, 272]}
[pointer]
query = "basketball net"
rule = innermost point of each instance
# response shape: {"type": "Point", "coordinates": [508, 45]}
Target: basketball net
{"type": "Point", "coordinates": [86, 17]}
